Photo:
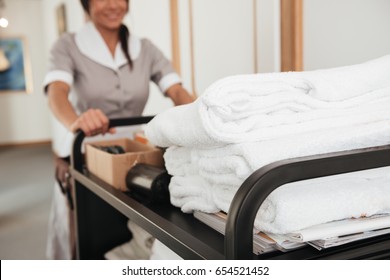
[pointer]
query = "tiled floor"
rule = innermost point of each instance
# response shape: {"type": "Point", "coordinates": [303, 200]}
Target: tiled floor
{"type": "Point", "coordinates": [26, 183]}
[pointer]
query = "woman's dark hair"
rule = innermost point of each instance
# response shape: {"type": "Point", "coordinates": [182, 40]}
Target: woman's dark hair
{"type": "Point", "coordinates": [123, 34]}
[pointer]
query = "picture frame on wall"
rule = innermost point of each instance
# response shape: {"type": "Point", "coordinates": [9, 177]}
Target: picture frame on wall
{"type": "Point", "coordinates": [15, 66]}
{"type": "Point", "coordinates": [61, 19]}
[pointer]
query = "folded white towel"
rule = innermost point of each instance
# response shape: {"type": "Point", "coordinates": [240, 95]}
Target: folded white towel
{"type": "Point", "coordinates": [184, 126]}
{"type": "Point", "coordinates": [301, 204]}
{"type": "Point", "coordinates": [244, 122]}
{"type": "Point", "coordinates": [216, 175]}
{"type": "Point", "coordinates": [267, 106]}
{"type": "Point", "coordinates": [232, 164]}
{"type": "Point", "coordinates": [179, 126]}
{"type": "Point", "coordinates": [306, 203]}
{"type": "Point", "coordinates": [180, 161]}
{"type": "Point", "coordinates": [258, 126]}
{"type": "Point", "coordinates": [333, 84]}
{"type": "Point", "coordinates": [191, 192]}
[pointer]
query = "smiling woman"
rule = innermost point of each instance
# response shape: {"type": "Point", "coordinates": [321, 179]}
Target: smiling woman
{"type": "Point", "coordinates": [99, 73]}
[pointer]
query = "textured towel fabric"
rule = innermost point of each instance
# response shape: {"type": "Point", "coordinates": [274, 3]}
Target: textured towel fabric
{"type": "Point", "coordinates": [198, 125]}
{"type": "Point", "coordinates": [207, 179]}
{"type": "Point", "coordinates": [267, 106]}
{"type": "Point", "coordinates": [138, 248]}
{"type": "Point", "coordinates": [305, 203]}
{"type": "Point", "coordinates": [333, 84]}
{"type": "Point", "coordinates": [192, 192]}
{"type": "Point", "coordinates": [162, 252]}
{"type": "Point", "coordinates": [235, 162]}
{"type": "Point", "coordinates": [242, 123]}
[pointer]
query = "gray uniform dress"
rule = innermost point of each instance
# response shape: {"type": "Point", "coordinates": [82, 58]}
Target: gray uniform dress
{"type": "Point", "coordinates": [113, 88]}
{"type": "Point", "coordinates": [98, 80]}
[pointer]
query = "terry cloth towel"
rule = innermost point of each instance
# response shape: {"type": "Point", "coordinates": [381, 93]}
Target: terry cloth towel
{"type": "Point", "coordinates": [267, 106]}
{"type": "Point", "coordinates": [192, 192]}
{"type": "Point", "coordinates": [138, 248]}
{"type": "Point", "coordinates": [302, 204]}
{"type": "Point", "coordinates": [232, 164]}
{"type": "Point", "coordinates": [245, 122]}
{"type": "Point", "coordinates": [207, 179]}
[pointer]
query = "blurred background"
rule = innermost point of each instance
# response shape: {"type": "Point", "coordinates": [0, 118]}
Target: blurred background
{"type": "Point", "coordinates": [206, 40]}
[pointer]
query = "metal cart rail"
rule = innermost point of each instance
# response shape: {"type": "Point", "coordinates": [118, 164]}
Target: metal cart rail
{"type": "Point", "coordinates": [102, 211]}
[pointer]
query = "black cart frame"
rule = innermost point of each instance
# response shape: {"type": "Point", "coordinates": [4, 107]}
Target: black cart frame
{"type": "Point", "coordinates": [101, 212]}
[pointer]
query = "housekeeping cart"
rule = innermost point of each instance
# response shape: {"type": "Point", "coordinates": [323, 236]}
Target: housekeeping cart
{"type": "Point", "coordinates": [102, 211]}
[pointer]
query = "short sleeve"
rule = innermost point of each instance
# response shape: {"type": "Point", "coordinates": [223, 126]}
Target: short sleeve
{"type": "Point", "coordinates": [162, 72]}
{"type": "Point", "coordinates": [61, 67]}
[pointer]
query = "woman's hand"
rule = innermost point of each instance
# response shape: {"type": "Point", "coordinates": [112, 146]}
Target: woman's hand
{"type": "Point", "coordinates": [92, 122]}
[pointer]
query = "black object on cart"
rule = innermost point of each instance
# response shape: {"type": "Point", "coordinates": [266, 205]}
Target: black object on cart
{"type": "Point", "coordinates": [102, 211]}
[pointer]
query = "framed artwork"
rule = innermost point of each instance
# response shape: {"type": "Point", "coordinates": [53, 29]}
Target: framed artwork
{"type": "Point", "coordinates": [15, 68]}
{"type": "Point", "coordinates": [61, 19]}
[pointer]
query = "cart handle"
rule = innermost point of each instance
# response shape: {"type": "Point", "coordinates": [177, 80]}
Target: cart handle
{"type": "Point", "coordinates": [77, 157]}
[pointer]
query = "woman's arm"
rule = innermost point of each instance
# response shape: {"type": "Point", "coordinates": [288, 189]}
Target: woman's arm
{"type": "Point", "coordinates": [179, 95]}
{"type": "Point", "coordinates": [91, 122]}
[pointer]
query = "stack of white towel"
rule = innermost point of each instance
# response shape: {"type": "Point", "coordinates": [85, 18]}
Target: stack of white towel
{"type": "Point", "coordinates": [242, 123]}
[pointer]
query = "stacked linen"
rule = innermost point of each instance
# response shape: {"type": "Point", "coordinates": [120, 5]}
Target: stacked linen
{"type": "Point", "coordinates": [242, 123]}
{"type": "Point", "coordinates": [266, 106]}
{"type": "Point", "coordinates": [293, 206]}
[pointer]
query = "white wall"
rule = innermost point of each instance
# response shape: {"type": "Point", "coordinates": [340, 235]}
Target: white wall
{"type": "Point", "coordinates": [224, 40]}
{"type": "Point", "coordinates": [24, 117]}
{"type": "Point", "coordinates": [344, 32]}
{"type": "Point", "coordinates": [268, 36]}
{"type": "Point", "coordinates": [151, 19]}
{"type": "Point", "coordinates": [74, 19]}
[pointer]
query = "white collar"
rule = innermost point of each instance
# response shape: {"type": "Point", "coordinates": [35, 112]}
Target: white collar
{"type": "Point", "coordinates": [91, 44]}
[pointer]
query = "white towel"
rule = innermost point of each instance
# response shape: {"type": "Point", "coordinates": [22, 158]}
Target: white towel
{"type": "Point", "coordinates": [191, 192]}
{"type": "Point", "coordinates": [267, 106]}
{"type": "Point", "coordinates": [180, 161]}
{"type": "Point", "coordinates": [232, 164]}
{"type": "Point", "coordinates": [244, 122]}
{"type": "Point", "coordinates": [195, 125]}
{"type": "Point", "coordinates": [306, 203]}
{"type": "Point", "coordinates": [216, 174]}
{"type": "Point", "coordinates": [300, 204]}
{"type": "Point", "coordinates": [333, 84]}
{"type": "Point", "coordinates": [179, 126]}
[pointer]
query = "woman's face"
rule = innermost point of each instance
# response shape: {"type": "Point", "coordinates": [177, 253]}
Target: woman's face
{"type": "Point", "coordinates": [108, 14]}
